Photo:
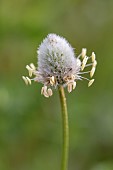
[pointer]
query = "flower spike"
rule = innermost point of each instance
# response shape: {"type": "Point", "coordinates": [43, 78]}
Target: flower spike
{"type": "Point", "coordinates": [58, 65]}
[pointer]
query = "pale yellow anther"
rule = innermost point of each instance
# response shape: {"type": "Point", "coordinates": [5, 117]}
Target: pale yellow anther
{"type": "Point", "coordinates": [29, 70]}
{"type": "Point", "coordinates": [82, 67]}
{"type": "Point", "coordinates": [44, 91]}
{"type": "Point", "coordinates": [94, 63]}
{"type": "Point", "coordinates": [25, 80]}
{"type": "Point", "coordinates": [92, 71]}
{"type": "Point", "coordinates": [69, 87]}
{"type": "Point", "coordinates": [29, 80]}
{"type": "Point", "coordinates": [85, 60]}
{"type": "Point", "coordinates": [30, 73]}
{"type": "Point", "coordinates": [50, 92]}
{"type": "Point", "coordinates": [84, 63]}
{"type": "Point", "coordinates": [52, 80]}
{"type": "Point", "coordinates": [93, 56]}
{"type": "Point", "coordinates": [32, 66]}
{"type": "Point", "coordinates": [84, 50]}
{"type": "Point", "coordinates": [90, 82]}
{"type": "Point", "coordinates": [74, 85]}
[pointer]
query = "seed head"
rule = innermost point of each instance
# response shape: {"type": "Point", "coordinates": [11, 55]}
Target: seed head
{"type": "Point", "coordinates": [58, 65]}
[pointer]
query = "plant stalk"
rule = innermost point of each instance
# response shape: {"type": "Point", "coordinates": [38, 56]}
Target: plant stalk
{"type": "Point", "coordinates": [65, 126]}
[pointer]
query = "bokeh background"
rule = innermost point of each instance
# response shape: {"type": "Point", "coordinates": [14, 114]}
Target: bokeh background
{"type": "Point", "coordinates": [30, 125]}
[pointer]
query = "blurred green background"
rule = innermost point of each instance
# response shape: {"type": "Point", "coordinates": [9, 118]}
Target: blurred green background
{"type": "Point", "coordinates": [30, 125]}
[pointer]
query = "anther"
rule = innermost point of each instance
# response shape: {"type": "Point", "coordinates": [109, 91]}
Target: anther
{"type": "Point", "coordinates": [44, 91]}
{"type": "Point", "coordinates": [94, 63]}
{"type": "Point", "coordinates": [52, 80]}
{"type": "Point", "coordinates": [93, 56]}
{"type": "Point", "coordinates": [90, 82]}
{"type": "Point", "coordinates": [50, 93]}
{"type": "Point", "coordinates": [69, 87]}
{"type": "Point", "coordinates": [29, 70]}
{"type": "Point", "coordinates": [29, 80]}
{"type": "Point", "coordinates": [84, 63]}
{"type": "Point", "coordinates": [84, 50]}
{"type": "Point", "coordinates": [25, 80]}
{"type": "Point", "coordinates": [32, 66]}
{"type": "Point", "coordinates": [92, 71]}
{"type": "Point", "coordinates": [74, 85]}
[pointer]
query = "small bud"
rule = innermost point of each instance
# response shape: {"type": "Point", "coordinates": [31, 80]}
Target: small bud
{"type": "Point", "coordinates": [90, 82]}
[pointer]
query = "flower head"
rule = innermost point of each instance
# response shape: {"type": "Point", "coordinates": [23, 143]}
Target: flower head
{"type": "Point", "coordinates": [58, 65]}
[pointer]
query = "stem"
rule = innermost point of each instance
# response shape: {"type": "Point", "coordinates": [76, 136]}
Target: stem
{"type": "Point", "coordinates": [65, 129]}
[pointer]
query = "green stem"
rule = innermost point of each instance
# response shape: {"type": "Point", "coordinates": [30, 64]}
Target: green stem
{"type": "Point", "coordinates": [65, 129]}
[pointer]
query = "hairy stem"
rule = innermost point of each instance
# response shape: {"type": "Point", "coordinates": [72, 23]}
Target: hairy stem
{"type": "Point", "coordinates": [65, 127]}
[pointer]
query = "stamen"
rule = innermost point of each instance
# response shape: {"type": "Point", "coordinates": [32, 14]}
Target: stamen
{"type": "Point", "coordinates": [74, 85]}
{"type": "Point", "coordinates": [29, 80]}
{"type": "Point", "coordinates": [69, 87]}
{"type": "Point", "coordinates": [84, 72]}
{"type": "Point", "coordinates": [92, 71]}
{"type": "Point", "coordinates": [50, 92]}
{"type": "Point", "coordinates": [44, 91]}
{"type": "Point", "coordinates": [94, 63]}
{"type": "Point", "coordinates": [81, 77]}
{"type": "Point", "coordinates": [84, 50]}
{"type": "Point", "coordinates": [29, 70]}
{"type": "Point", "coordinates": [87, 65]}
{"type": "Point", "coordinates": [93, 56]}
{"type": "Point", "coordinates": [52, 80]}
{"type": "Point", "coordinates": [90, 82]}
{"type": "Point", "coordinates": [84, 63]}
{"type": "Point", "coordinates": [32, 66]}
{"type": "Point", "coordinates": [25, 80]}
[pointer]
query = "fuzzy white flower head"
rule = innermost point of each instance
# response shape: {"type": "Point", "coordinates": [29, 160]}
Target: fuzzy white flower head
{"type": "Point", "coordinates": [58, 65]}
